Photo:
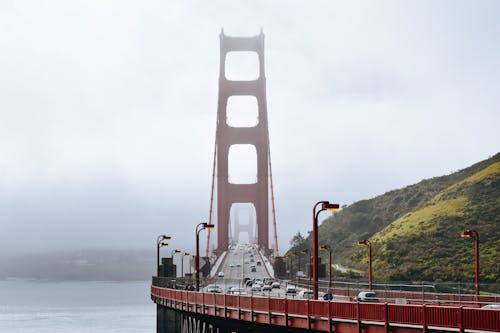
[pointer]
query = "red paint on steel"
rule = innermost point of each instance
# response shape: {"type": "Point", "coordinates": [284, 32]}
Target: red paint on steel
{"type": "Point", "coordinates": [277, 305]}
{"type": "Point", "coordinates": [408, 314]}
{"type": "Point", "coordinates": [318, 308]}
{"type": "Point", "coordinates": [481, 319]}
{"type": "Point", "coordinates": [260, 304]}
{"type": "Point", "coordinates": [442, 316]}
{"type": "Point", "coordinates": [371, 311]}
{"type": "Point", "coordinates": [299, 316]}
{"type": "Point", "coordinates": [344, 310]}
{"type": "Point", "coordinates": [229, 193]}
{"type": "Point", "coordinates": [232, 301]}
{"type": "Point", "coordinates": [245, 303]}
{"type": "Point", "coordinates": [297, 307]}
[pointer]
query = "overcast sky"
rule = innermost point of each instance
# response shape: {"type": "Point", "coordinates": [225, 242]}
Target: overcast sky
{"type": "Point", "coordinates": [108, 109]}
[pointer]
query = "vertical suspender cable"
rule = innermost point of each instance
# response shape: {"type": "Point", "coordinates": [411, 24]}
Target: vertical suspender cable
{"type": "Point", "coordinates": [276, 249]}
{"type": "Point", "coordinates": [211, 199]}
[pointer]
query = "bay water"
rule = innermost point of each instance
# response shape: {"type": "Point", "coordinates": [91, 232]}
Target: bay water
{"type": "Point", "coordinates": [93, 307]}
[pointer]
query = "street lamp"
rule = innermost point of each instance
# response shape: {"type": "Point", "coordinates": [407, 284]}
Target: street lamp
{"type": "Point", "coordinates": [182, 263]}
{"type": "Point", "coordinates": [325, 205]}
{"type": "Point", "coordinates": [366, 242]}
{"type": "Point", "coordinates": [172, 253]}
{"type": "Point", "coordinates": [294, 254]}
{"type": "Point", "coordinates": [159, 244]}
{"type": "Point", "coordinates": [203, 226]}
{"type": "Point", "coordinates": [306, 251]}
{"type": "Point", "coordinates": [324, 248]}
{"type": "Point", "coordinates": [473, 234]}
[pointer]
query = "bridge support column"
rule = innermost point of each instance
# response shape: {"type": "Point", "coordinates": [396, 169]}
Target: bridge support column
{"type": "Point", "coordinates": [167, 320]}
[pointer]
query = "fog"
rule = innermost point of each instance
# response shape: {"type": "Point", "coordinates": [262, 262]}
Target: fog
{"type": "Point", "coordinates": [108, 109]}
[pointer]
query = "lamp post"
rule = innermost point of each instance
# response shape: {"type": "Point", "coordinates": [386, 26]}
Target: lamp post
{"type": "Point", "coordinates": [182, 263]}
{"type": "Point", "coordinates": [287, 265]}
{"type": "Point", "coordinates": [366, 242]}
{"type": "Point", "coordinates": [292, 254]}
{"type": "Point", "coordinates": [203, 226]}
{"type": "Point", "coordinates": [325, 205]}
{"type": "Point", "coordinates": [326, 247]}
{"type": "Point", "coordinates": [172, 254]}
{"type": "Point", "coordinates": [474, 234]}
{"type": "Point", "coordinates": [159, 244]}
{"type": "Point", "coordinates": [306, 251]}
{"type": "Point", "coordinates": [298, 265]}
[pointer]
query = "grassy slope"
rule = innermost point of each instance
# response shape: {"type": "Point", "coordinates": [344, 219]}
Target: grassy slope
{"type": "Point", "coordinates": [415, 230]}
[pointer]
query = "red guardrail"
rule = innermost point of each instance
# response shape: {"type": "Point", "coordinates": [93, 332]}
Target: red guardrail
{"type": "Point", "coordinates": [372, 311]}
{"type": "Point", "coordinates": [407, 314]}
{"type": "Point", "coordinates": [343, 310]}
{"type": "Point", "coordinates": [428, 315]}
{"type": "Point", "coordinates": [261, 304]}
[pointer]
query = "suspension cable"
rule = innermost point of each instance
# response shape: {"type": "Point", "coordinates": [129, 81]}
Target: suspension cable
{"type": "Point", "coordinates": [211, 198]}
{"type": "Point", "coordinates": [276, 249]}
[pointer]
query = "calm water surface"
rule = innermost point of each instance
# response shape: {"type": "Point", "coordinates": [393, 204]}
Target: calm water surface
{"type": "Point", "coordinates": [76, 307]}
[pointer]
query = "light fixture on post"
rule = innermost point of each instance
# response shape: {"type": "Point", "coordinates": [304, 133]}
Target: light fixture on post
{"type": "Point", "coordinates": [366, 242]}
{"type": "Point", "coordinates": [159, 244]}
{"type": "Point", "coordinates": [203, 226]}
{"type": "Point", "coordinates": [172, 254]}
{"type": "Point", "coordinates": [182, 263]}
{"type": "Point", "coordinates": [474, 234]}
{"type": "Point", "coordinates": [325, 205]}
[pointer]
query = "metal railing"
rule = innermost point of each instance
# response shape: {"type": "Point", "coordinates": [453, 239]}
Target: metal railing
{"type": "Point", "coordinates": [321, 315]}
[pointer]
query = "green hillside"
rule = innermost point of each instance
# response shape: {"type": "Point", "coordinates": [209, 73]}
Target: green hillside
{"type": "Point", "coordinates": [415, 231]}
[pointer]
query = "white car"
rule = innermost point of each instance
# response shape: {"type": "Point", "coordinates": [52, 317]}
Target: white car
{"type": "Point", "coordinates": [291, 290]}
{"type": "Point", "coordinates": [367, 296]}
{"type": "Point", "coordinates": [306, 294]}
{"type": "Point", "coordinates": [492, 306]}
{"type": "Point", "coordinates": [256, 287]}
{"type": "Point", "coordinates": [275, 284]}
{"type": "Point", "coordinates": [239, 291]}
{"type": "Point", "coordinates": [213, 288]}
{"type": "Point", "coordinates": [221, 274]}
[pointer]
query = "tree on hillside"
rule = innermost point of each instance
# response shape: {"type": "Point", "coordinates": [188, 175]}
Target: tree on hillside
{"type": "Point", "coordinates": [297, 240]}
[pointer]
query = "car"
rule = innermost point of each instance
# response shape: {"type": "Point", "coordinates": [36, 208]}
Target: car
{"type": "Point", "coordinates": [275, 284]}
{"type": "Point", "coordinates": [213, 288]}
{"type": "Point", "coordinates": [306, 294]}
{"type": "Point", "coordinates": [491, 307]}
{"type": "Point", "coordinates": [231, 265]}
{"type": "Point", "coordinates": [220, 274]}
{"type": "Point", "coordinates": [238, 265]}
{"type": "Point", "coordinates": [266, 287]}
{"type": "Point", "coordinates": [291, 290]}
{"type": "Point", "coordinates": [367, 296]}
{"type": "Point", "coordinates": [253, 269]}
{"type": "Point", "coordinates": [256, 287]}
{"type": "Point", "coordinates": [259, 263]}
{"type": "Point", "coordinates": [239, 291]}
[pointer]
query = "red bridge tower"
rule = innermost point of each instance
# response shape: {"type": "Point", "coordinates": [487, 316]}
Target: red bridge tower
{"type": "Point", "coordinates": [229, 193]}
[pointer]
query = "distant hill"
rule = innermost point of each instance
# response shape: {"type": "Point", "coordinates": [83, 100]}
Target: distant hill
{"type": "Point", "coordinates": [80, 265]}
{"type": "Point", "coordinates": [415, 231]}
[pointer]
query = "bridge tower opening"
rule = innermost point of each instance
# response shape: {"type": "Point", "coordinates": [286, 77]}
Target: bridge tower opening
{"type": "Point", "coordinates": [228, 135]}
{"type": "Point", "coordinates": [243, 221]}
